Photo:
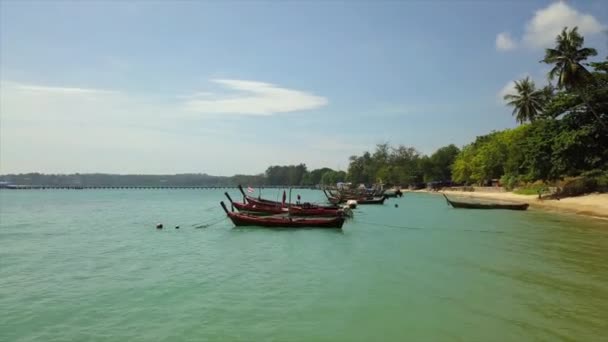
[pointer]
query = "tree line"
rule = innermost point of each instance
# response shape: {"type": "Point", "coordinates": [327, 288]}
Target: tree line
{"type": "Point", "coordinates": [288, 175]}
{"type": "Point", "coordinates": [402, 165]}
{"type": "Point", "coordinates": [563, 132]}
{"type": "Point", "coordinates": [114, 180]}
{"type": "Point", "coordinates": [563, 128]}
{"type": "Point", "coordinates": [299, 175]}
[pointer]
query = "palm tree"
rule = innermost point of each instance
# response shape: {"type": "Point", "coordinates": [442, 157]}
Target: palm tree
{"type": "Point", "coordinates": [571, 74]}
{"type": "Point", "coordinates": [567, 57]}
{"type": "Point", "coordinates": [528, 102]}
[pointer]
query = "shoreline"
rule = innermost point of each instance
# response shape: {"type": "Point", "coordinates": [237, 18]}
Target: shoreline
{"type": "Point", "coordinates": [592, 205]}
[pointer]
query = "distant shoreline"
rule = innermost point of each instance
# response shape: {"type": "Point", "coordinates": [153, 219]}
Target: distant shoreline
{"type": "Point", "coordinates": [591, 205]}
{"type": "Point", "coordinates": [135, 187]}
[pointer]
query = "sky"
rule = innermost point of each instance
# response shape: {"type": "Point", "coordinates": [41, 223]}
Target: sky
{"type": "Point", "coordinates": [158, 87]}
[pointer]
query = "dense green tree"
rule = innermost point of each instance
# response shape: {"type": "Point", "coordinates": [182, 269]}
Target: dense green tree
{"type": "Point", "coordinates": [361, 169]}
{"type": "Point", "coordinates": [285, 175]}
{"type": "Point", "coordinates": [333, 177]}
{"type": "Point", "coordinates": [462, 170]}
{"type": "Point", "coordinates": [440, 164]}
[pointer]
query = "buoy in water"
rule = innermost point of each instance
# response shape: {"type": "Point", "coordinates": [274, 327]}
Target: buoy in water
{"type": "Point", "coordinates": [396, 205]}
{"type": "Point", "coordinates": [159, 226]}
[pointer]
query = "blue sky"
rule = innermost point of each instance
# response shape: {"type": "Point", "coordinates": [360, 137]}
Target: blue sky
{"type": "Point", "coordinates": [232, 87]}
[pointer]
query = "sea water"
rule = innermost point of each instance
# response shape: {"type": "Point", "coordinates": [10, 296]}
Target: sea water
{"type": "Point", "coordinates": [89, 265]}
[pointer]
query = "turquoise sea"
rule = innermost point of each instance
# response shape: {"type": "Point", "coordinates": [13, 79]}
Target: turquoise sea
{"type": "Point", "coordinates": [89, 265]}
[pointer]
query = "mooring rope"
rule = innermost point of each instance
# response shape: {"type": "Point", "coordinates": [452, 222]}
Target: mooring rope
{"type": "Point", "coordinates": [210, 208]}
{"type": "Point", "coordinates": [387, 225]}
{"type": "Point", "coordinates": [430, 228]}
{"type": "Point", "coordinates": [205, 222]}
{"type": "Point", "coordinates": [207, 225]}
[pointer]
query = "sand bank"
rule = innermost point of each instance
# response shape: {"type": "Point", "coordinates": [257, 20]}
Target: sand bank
{"type": "Point", "coordinates": [590, 205]}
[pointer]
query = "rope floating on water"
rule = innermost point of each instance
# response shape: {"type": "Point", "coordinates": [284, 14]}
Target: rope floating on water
{"type": "Point", "coordinates": [210, 208]}
{"type": "Point", "coordinates": [208, 223]}
{"type": "Point", "coordinates": [430, 228]}
{"type": "Point", "coordinates": [389, 225]}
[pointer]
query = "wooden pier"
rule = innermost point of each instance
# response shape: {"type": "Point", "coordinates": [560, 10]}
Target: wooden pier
{"type": "Point", "coordinates": [74, 187]}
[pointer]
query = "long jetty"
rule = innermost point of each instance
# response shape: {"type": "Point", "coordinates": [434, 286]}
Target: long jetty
{"type": "Point", "coordinates": [78, 187]}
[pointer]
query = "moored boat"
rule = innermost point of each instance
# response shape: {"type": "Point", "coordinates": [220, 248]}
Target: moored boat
{"type": "Point", "coordinates": [393, 193]}
{"type": "Point", "coordinates": [470, 205]}
{"type": "Point", "coordinates": [337, 199]}
{"type": "Point", "coordinates": [294, 210]}
{"type": "Point", "coordinates": [266, 202]}
{"type": "Point", "coordinates": [280, 221]}
{"type": "Point", "coordinates": [352, 204]}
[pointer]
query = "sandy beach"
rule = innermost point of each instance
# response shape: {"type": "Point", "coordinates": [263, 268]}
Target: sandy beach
{"type": "Point", "coordinates": [595, 205]}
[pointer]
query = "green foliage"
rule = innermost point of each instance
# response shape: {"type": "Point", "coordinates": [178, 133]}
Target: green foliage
{"type": "Point", "coordinates": [602, 183]}
{"type": "Point", "coordinates": [360, 169]}
{"type": "Point", "coordinates": [299, 175]}
{"type": "Point", "coordinates": [563, 103]}
{"type": "Point", "coordinates": [543, 150]}
{"type": "Point", "coordinates": [314, 177]}
{"type": "Point", "coordinates": [286, 175]}
{"type": "Point", "coordinates": [332, 177]}
{"type": "Point", "coordinates": [462, 169]}
{"type": "Point", "coordinates": [490, 157]}
{"type": "Point", "coordinates": [532, 189]}
{"type": "Point", "coordinates": [536, 149]}
{"type": "Point", "coordinates": [567, 133]}
{"type": "Point", "coordinates": [401, 165]}
{"type": "Point", "coordinates": [528, 102]}
{"type": "Point", "coordinates": [439, 165]}
{"type": "Point", "coordinates": [579, 186]}
{"type": "Point", "coordinates": [567, 58]}
{"type": "Point", "coordinates": [588, 182]}
{"type": "Point", "coordinates": [510, 182]}
{"type": "Point", "coordinates": [112, 180]}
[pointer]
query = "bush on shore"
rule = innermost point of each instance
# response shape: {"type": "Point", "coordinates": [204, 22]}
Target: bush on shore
{"type": "Point", "coordinates": [588, 182]}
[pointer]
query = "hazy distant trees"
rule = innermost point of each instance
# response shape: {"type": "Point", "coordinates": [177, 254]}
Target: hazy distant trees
{"type": "Point", "coordinates": [288, 175]}
{"type": "Point", "coordinates": [299, 175]}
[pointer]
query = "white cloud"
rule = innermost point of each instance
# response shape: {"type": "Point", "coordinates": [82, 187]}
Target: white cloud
{"type": "Point", "coordinates": [195, 95]}
{"type": "Point", "coordinates": [255, 98]}
{"type": "Point", "coordinates": [547, 23]}
{"type": "Point", "coordinates": [508, 89]}
{"type": "Point", "coordinates": [504, 42]}
{"type": "Point", "coordinates": [56, 90]}
{"type": "Point", "coordinates": [41, 102]}
{"type": "Point", "coordinates": [69, 129]}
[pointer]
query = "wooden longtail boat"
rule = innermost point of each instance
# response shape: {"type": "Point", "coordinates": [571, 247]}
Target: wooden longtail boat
{"type": "Point", "coordinates": [360, 200]}
{"type": "Point", "coordinates": [393, 193]}
{"type": "Point", "coordinates": [469, 205]}
{"type": "Point", "coordinates": [369, 200]}
{"type": "Point", "coordinates": [358, 193]}
{"type": "Point", "coordinates": [262, 201]}
{"type": "Point", "coordinates": [240, 219]}
{"type": "Point", "coordinates": [294, 210]}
